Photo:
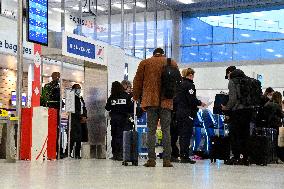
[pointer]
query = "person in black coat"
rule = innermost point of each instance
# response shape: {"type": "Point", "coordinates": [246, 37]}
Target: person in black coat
{"type": "Point", "coordinates": [186, 111]}
{"type": "Point", "coordinates": [77, 118]}
{"type": "Point", "coordinates": [119, 105]}
{"type": "Point", "coordinates": [273, 111]}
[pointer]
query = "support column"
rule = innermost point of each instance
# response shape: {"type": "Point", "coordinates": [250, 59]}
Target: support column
{"type": "Point", "coordinates": [176, 17]}
{"type": "Point", "coordinates": [19, 70]}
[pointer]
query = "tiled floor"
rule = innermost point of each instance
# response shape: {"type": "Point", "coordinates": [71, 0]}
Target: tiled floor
{"type": "Point", "coordinates": [104, 174]}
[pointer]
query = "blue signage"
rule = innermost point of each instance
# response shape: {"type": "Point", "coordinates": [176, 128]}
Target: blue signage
{"type": "Point", "coordinates": [81, 48]}
{"type": "Point", "coordinates": [14, 98]}
{"type": "Point", "coordinates": [142, 120]}
{"type": "Point", "coordinates": [37, 21]}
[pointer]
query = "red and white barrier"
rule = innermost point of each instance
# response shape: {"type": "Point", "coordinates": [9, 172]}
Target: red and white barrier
{"type": "Point", "coordinates": [38, 134]}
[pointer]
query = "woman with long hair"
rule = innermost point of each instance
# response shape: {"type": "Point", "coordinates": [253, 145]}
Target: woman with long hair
{"type": "Point", "coordinates": [273, 111]}
{"type": "Point", "coordinates": [120, 106]}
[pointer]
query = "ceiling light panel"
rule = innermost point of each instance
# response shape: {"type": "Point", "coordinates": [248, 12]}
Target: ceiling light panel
{"type": "Point", "coordinates": [186, 1]}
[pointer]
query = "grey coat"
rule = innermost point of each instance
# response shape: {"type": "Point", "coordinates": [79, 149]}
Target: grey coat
{"type": "Point", "coordinates": [234, 102]}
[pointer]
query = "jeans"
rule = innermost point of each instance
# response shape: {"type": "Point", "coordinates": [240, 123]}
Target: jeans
{"type": "Point", "coordinates": [153, 115]}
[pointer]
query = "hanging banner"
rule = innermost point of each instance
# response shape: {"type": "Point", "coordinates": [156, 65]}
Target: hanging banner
{"type": "Point", "coordinates": [83, 48]}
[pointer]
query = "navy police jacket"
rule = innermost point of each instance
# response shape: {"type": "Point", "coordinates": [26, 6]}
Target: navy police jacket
{"type": "Point", "coordinates": [119, 105]}
{"type": "Point", "coordinates": [186, 102]}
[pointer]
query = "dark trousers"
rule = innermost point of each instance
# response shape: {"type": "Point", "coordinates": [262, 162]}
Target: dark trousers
{"type": "Point", "coordinates": [77, 145]}
{"type": "Point", "coordinates": [118, 125]}
{"type": "Point", "coordinates": [185, 128]}
{"type": "Point", "coordinates": [174, 137]}
{"type": "Point", "coordinates": [240, 132]}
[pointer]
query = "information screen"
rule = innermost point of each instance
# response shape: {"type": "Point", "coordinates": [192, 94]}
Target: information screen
{"type": "Point", "coordinates": [37, 21]}
{"type": "Point", "coordinates": [14, 98]}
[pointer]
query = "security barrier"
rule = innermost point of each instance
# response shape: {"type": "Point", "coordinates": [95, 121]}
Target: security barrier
{"type": "Point", "coordinates": [8, 133]}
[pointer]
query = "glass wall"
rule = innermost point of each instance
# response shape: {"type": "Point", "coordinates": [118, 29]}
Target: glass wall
{"type": "Point", "coordinates": [233, 36]}
{"type": "Point", "coordinates": [137, 26]}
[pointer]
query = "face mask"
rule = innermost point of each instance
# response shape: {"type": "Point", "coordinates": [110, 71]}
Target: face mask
{"type": "Point", "coordinates": [78, 92]}
{"type": "Point", "coordinates": [269, 97]}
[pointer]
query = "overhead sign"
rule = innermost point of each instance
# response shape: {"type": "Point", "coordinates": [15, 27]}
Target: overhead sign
{"type": "Point", "coordinates": [82, 48]}
{"type": "Point", "coordinates": [37, 22]}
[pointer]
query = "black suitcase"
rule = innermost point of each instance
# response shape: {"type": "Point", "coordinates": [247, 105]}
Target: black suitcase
{"type": "Point", "coordinates": [220, 99]}
{"type": "Point", "coordinates": [263, 146]}
{"type": "Point", "coordinates": [130, 144]}
{"type": "Point", "coordinates": [219, 148]}
{"type": "Point", "coordinates": [220, 145]}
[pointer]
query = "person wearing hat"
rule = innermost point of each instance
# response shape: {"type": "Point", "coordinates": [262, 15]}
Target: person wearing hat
{"type": "Point", "coordinates": [240, 118]}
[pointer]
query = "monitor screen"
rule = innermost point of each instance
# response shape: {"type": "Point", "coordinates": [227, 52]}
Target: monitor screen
{"type": "Point", "coordinates": [37, 21]}
{"type": "Point", "coordinates": [14, 99]}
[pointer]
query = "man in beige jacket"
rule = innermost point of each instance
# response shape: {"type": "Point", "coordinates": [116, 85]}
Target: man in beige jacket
{"type": "Point", "coordinates": [147, 84]}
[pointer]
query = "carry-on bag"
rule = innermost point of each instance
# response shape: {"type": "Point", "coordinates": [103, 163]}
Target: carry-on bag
{"type": "Point", "coordinates": [263, 146]}
{"type": "Point", "coordinates": [219, 145]}
{"type": "Point", "coordinates": [281, 143]}
{"type": "Point", "coordinates": [130, 143]}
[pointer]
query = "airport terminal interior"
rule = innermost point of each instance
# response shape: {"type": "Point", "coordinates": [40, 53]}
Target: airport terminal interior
{"type": "Point", "coordinates": [74, 94]}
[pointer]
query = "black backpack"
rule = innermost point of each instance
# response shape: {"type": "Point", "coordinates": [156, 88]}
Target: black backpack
{"type": "Point", "coordinates": [249, 91]}
{"type": "Point", "coordinates": [170, 80]}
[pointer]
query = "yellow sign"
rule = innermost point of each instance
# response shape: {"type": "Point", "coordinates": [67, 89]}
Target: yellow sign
{"type": "Point", "coordinates": [14, 118]}
{"type": "Point", "coordinates": [4, 113]}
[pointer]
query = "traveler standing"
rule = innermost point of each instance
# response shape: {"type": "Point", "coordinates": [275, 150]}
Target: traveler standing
{"type": "Point", "coordinates": [120, 106]}
{"type": "Point", "coordinates": [76, 120]}
{"type": "Point", "coordinates": [186, 112]}
{"type": "Point", "coordinates": [240, 116]}
{"type": "Point", "coordinates": [50, 97]}
{"type": "Point", "coordinates": [273, 111]}
{"type": "Point", "coordinates": [174, 129]}
{"type": "Point", "coordinates": [147, 84]}
{"type": "Point", "coordinates": [260, 116]}
{"type": "Point", "coordinates": [267, 95]}
{"type": "Point", "coordinates": [127, 86]}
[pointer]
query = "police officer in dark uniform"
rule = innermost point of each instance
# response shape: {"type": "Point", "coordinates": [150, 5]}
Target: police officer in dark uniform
{"type": "Point", "coordinates": [186, 111]}
{"type": "Point", "coordinates": [120, 106]}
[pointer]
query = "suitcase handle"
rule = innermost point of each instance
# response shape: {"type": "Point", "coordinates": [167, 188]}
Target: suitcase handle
{"type": "Point", "coordinates": [135, 116]}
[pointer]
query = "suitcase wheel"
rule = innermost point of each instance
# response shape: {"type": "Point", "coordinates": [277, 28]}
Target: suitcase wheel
{"type": "Point", "coordinates": [135, 163]}
{"type": "Point", "coordinates": [124, 163]}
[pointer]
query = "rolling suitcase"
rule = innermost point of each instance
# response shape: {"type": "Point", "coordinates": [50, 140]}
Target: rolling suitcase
{"type": "Point", "coordinates": [281, 143]}
{"type": "Point", "coordinates": [263, 146]}
{"type": "Point", "coordinates": [220, 145]}
{"type": "Point", "coordinates": [130, 144]}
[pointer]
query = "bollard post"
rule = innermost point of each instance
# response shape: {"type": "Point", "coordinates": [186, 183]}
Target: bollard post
{"type": "Point", "coordinates": [11, 152]}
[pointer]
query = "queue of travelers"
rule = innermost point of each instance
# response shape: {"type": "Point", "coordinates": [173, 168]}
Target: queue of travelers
{"type": "Point", "coordinates": [177, 115]}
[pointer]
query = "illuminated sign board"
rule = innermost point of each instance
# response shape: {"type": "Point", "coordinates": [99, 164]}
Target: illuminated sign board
{"type": "Point", "coordinates": [37, 21]}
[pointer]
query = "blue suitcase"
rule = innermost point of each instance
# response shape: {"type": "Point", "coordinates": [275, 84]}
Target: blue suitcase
{"type": "Point", "coordinates": [130, 144]}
